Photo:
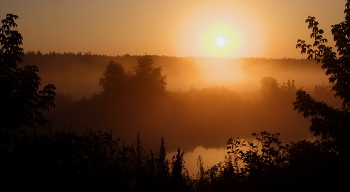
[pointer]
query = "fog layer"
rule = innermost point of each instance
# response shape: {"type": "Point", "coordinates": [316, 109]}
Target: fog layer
{"type": "Point", "coordinates": [204, 105]}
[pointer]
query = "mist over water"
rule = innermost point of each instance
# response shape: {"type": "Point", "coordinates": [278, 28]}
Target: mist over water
{"type": "Point", "coordinates": [204, 106]}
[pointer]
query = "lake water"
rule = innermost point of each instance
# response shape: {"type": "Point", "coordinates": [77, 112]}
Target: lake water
{"type": "Point", "coordinates": [210, 157]}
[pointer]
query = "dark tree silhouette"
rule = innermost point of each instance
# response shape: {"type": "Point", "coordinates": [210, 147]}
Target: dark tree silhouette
{"type": "Point", "coordinates": [336, 64]}
{"type": "Point", "coordinates": [145, 80]}
{"type": "Point", "coordinates": [179, 178]}
{"type": "Point", "coordinates": [114, 78]}
{"type": "Point", "coordinates": [148, 78]}
{"type": "Point", "coordinates": [161, 168]}
{"type": "Point", "coordinates": [332, 124]}
{"type": "Point", "coordinates": [20, 97]}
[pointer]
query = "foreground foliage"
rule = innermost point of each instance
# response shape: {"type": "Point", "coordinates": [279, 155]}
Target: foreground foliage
{"type": "Point", "coordinates": [331, 124]}
{"type": "Point", "coordinates": [67, 161]}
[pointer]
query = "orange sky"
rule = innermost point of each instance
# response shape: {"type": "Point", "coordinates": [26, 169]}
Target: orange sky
{"type": "Point", "coordinates": [261, 28]}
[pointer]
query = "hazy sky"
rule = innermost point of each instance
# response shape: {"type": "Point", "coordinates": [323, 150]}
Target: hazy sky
{"type": "Point", "coordinates": [229, 28]}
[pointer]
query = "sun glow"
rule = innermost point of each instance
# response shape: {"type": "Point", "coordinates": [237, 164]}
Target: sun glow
{"type": "Point", "coordinates": [215, 31]}
{"type": "Point", "coordinates": [224, 32]}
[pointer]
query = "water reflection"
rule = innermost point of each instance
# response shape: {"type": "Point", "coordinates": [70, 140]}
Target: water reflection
{"type": "Point", "coordinates": [210, 156]}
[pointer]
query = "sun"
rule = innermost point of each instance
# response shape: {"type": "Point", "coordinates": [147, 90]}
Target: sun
{"type": "Point", "coordinates": [220, 41]}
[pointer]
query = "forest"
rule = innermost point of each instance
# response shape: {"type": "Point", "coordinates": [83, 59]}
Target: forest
{"type": "Point", "coordinates": [74, 122]}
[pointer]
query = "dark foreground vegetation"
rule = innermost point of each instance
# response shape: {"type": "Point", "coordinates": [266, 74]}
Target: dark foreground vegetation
{"type": "Point", "coordinates": [66, 161]}
{"type": "Point", "coordinates": [63, 160]}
